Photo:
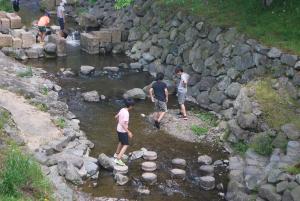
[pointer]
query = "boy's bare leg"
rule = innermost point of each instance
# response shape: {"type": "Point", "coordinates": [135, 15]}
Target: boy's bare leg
{"type": "Point", "coordinates": [155, 116]}
{"type": "Point", "coordinates": [182, 110]}
{"type": "Point", "coordinates": [119, 147]}
{"type": "Point", "coordinates": [123, 150]}
{"type": "Point", "coordinates": [160, 116]}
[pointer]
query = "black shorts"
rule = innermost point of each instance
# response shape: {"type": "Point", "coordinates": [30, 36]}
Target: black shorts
{"type": "Point", "coordinates": [123, 138]}
{"type": "Point", "coordinates": [61, 23]}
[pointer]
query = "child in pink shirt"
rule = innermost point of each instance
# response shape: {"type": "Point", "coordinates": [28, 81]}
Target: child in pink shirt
{"type": "Point", "coordinates": [122, 130]}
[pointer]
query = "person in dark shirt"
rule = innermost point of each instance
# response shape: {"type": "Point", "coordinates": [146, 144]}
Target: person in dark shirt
{"type": "Point", "coordinates": [16, 5]}
{"type": "Point", "coordinates": [159, 96]}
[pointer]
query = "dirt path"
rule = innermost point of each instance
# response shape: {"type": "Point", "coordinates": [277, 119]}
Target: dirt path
{"type": "Point", "coordinates": [36, 126]}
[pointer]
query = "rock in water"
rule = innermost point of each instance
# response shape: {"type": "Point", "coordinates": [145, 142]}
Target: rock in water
{"type": "Point", "coordinates": [179, 162]}
{"type": "Point", "coordinates": [120, 169]}
{"type": "Point", "coordinates": [149, 177]}
{"type": "Point", "coordinates": [87, 70]}
{"type": "Point", "coordinates": [205, 159]}
{"type": "Point", "coordinates": [178, 173]}
{"type": "Point", "coordinates": [121, 179]}
{"type": "Point", "coordinates": [208, 169]}
{"type": "Point", "coordinates": [111, 69]}
{"type": "Point", "coordinates": [150, 155]}
{"type": "Point", "coordinates": [91, 96]}
{"type": "Point", "coordinates": [105, 161]}
{"type": "Point", "coordinates": [149, 166]}
{"type": "Point", "coordinates": [135, 93]}
{"type": "Point", "coordinates": [207, 182]}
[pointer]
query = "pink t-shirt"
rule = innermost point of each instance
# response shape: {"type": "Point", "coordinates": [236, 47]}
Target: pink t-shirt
{"type": "Point", "coordinates": [123, 119]}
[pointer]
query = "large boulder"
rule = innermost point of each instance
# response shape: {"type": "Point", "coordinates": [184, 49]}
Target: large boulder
{"type": "Point", "coordinates": [87, 70]}
{"type": "Point", "coordinates": [247, 121]}
{"type": "Point", "coordinates": [268, 192]}
{"type": "Point", "coordinates": [106, 162]}
{"type": "Point", "coordinates": [233, 90]}
{"type": "Point", "coordinates": [91, 96]}
{"type": "Point", "coordinates": [135, 93]}
{"type": "Point", "coordinates": [291, 131]}
{"type": "Point", "coordinates": [88, 20]}
{"type": "Point", "coordinates": [50, 48]}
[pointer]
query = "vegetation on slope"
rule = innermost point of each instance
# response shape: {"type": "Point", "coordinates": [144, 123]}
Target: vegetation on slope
{"type": "Point", "coordinates": [5, 5]}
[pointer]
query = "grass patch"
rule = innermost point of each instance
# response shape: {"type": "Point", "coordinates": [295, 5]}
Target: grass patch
{"type": "Point", "coordinates": [240, 147]}
{"type": "Point", "coordinates": [269, 99]}
{"type": "Point", "coordinates": [6, 5]}
{"type": "Point", "coordinates": [40, 106]}
{"type": "Point", "coordinates": [277, 25]}
{"type": "Point", "coordinates": [26, 73]}
{"type": "Point", "coordinates": [208, 118]}
{"type": "Point", "coordinates": [21, 178]}
{"type": "Point", "coordinates": [4, 116]}
{"type": "Point", "coordinates": [293, 169]}
{"type": "Point", "coordinates": [60, 122]}
{"type": "Point", "coordinates": [44, 91]}
{"type": "Point", "coordinates": [199, 130]}
{"type": "Point", "coordinates": [262, 144]}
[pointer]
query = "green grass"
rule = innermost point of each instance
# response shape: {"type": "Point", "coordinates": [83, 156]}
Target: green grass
{"type": "Point", "coordinates": [45, 91]}
{"type": "Point", "coordinates": [262, 144]}
{"type": "Point", "coordinates": [4, 116]}
{"type": "Point", "coordinates": [269, 99]}
{"type": "Point", "coordinates": [21, 178]}
{"type": "Point", "coordinates": [5, 5]}
{"type": "Point", "coordinates": [277, 25]}
{"type": "Point", "coordinates": [26, 73]}
{"type": "Point", "coordinates": [60, 122]}
{"type": "Point", "coordinates": [199, 130]}
{"type": "Point", "coordinates": [293, 169]}
{"type": "Point", "coordinates": [41, 106]}
{"type": "Point", "coordinates": [240, 147]}
{"type": "Point", "coordinates": [208, 118]}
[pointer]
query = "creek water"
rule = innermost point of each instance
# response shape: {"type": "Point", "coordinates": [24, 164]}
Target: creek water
{"type": "Point", "coordinates": [97, 120]}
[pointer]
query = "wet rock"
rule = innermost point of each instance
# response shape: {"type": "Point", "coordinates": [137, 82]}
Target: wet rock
{"type": "Point", "coordinates": [143, 190]}
{"type": "Point", "coordinates": [207, 183]}
{"type": "Point", "coordinates": [178, 173]}
{"type": "Point", "coordinates": [205, 159]}
{"type": "Point", "coordinates": [121, 179]}
{"type": "Point", "coordinates": [268, 192]}
{"type": "Point", "coordinates": [149, 177]}
{"type": "Point", "coordinates": [135, 93]}
{"type": "Point", "coordinates": [207, 169]}
{"type": "Point", "coordinates": [120, 169]}
{"type": "Point", "coordinates": [111, 69]}
{"type": "Point", "coordinates": [90, 166]}
{"type": "Point", "coordinates": [91, 96]}
{"type": "Point", "coordinates": [72, 175]}
{"type": "Point", "coordinates": [87, 70]}
{"type": "Point", "coordinates": [149, 166]}
{"type": "Point", "coordinates": [291, 131]}
{"type": "Point", "coordinates": [150, 155]}
{"type": "Point", "coordinates": [105, 161]}
{"type": "Point", "coordinates": [136, 154]}
{"type": "Point", "coordinates": [50, 48]}
{"type": "Point", "coordinates": [148, 57]}
{"type": "Point", "coordinates": [179, 162]}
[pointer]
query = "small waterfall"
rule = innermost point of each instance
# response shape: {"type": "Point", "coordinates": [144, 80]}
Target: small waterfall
{"type": "Point", "coordinates": [73, 39]}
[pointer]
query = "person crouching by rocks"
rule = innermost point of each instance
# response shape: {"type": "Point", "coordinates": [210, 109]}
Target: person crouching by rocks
{"type": "Point", "coordinates": [182, 91]}
{"type": "Point", "coordinates": [159, 96]}
{"type": "Point", "coordinates": [43, 22]}
{"type": "Point", "coordinates": [61, 17]}
{"type": "Point", "coordinates": [16, 5]}
{"type": "Point", "coordinates": [123, 132]}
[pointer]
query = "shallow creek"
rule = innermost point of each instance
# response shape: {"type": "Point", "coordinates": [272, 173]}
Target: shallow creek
{"type": "Point", "coordinates": [97, 120]}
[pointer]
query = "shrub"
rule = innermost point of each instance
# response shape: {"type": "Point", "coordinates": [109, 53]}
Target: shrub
{"type": "Point", "coordinates": [293, 169]}
{"type": "Point", "coordinates": [199, 130]}
{"type": "Point", "coordinates": [26, 73]}
{"type": "Point", "coordinates": [262, 144]}
{"type": "Point", "coordinates": [60, 122]}
{"type": "Point", "coordinates": [6, 5]}
{"type": "Point", "coordinates": [41, 106]}
{"type": "Point", "coordinates": [240, 147]}
{"type": "Point", "coordinates": [208, 118]}
{"type": "Point", "coordinates": [4, 115]}
{"type": "Point", "coordinates": [44, 91]}
{"type": "Point", "coordinates": [22, 177]}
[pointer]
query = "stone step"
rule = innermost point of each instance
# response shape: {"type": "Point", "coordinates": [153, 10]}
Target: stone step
{"type": "Point", "coordinates": [178, 173]}
{"type": "Point", "coordinates": [149, 166]}
{"type": "Point", "coordinates": [149, 177]}
{"type": "Point", "coordinates": [150, 155]}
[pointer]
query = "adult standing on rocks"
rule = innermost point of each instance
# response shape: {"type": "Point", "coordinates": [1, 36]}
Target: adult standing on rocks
{"type": "Point", "coordinates": [123, 132]}
{"type": "Point", "coordinates": [159, 96]}
{"type": "Point", "coordinates": [61, 16]}
{"type": "Point", "coordinates": [16, 5]}
{"type": "Point", "coordinates": [182, 91]}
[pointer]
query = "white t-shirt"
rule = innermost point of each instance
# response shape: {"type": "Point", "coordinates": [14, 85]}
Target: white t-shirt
{"type": "Point", "coordinates": [184, 78]}
{"type": "Point", "coordinates": [60, 11]}
{"type": "Point", "coordinates": [123, 120]}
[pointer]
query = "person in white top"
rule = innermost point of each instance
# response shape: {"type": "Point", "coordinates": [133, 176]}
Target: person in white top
{"type": "Point", "coordinates": [182, 91]}
{"type": "Point", "coordinates": [61, 16]}
{"type": "Point", "coordinates": [123, 132]}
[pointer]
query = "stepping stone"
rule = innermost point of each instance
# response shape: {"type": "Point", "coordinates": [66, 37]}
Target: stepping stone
{"type": "Point", "coordinates": [120, 169]}
{"type": "Point", "coordinates": [207, 182]}
{"type": "Point", "coordinates": [205, 159]}
{"type": "Point", "coordinates": [149, 177]}
{"type": "Point", "coordinates": [178, 173]}
{"type": "Point", "coordinates": [208, 169]}
{"type": "Point", "coordinates": [150, 155]}
{"type": "Point", "coordinates": [179, 162]}
{"type": "Point", "coordinates": [149, 166]}
{"type": "Point", "coordinates": [121, 179]}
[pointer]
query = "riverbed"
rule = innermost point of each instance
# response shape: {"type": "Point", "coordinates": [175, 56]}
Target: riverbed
{"type": "Point", "coordinates": [97, 120]}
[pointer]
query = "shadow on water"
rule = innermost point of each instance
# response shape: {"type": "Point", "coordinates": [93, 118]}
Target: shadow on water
{"type": "Point", "coordinates": [97, 120]}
